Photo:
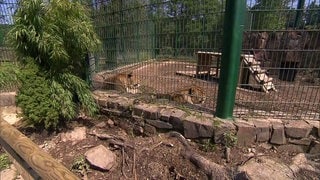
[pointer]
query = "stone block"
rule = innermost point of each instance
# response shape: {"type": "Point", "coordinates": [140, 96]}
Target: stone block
{"type": "Point", "coordinates": [278, 135]}
{"type": "Point", "coordinates": [315, 127]}
{"type": "Point", "coordinates": [138, 109]}
{"type": "Point", "coordinates": [165, 114]}
{"type": "Point", "coordinates": [262, 130]}
{"type": "Point", "coordinates": [246, 133]}
{"type": "Point", "coordinates": [297, 129]}
{"type": "Point", "coordinates": [102, 102]}
{"type": "Point", "coordinates": [292, 148]}
{"type": "Point", "coordinates": [315, 148]}
{"type": "Point", "coordinates": [159, 124]}
{"type": "Point", "coordinates": [303, 141]}
{"type": "Point", "coordinates": [197, 127]}
{"type": "Point", "coordinates": [151, 112]}
{"type": "Point", "coordinates": [176, 119]}
{"type": "Point", "coordinates": [220, 127]}
{"type": "Point", "coordinates": [8, 99]}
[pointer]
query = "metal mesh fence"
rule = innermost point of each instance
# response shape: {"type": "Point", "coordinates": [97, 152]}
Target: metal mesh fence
{"type": "Point", "coordinates": [173, 49]}
{"type": "Point", "coordinates": [7, 9]}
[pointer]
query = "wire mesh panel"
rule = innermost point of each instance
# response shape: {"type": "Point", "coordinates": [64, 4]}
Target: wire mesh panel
{"type": "Point", "coordinates": [7, 9]}
{"type": "Point", "coordinates": [282, 78]}
{"type": "Point", "coordinates": [168, 46]}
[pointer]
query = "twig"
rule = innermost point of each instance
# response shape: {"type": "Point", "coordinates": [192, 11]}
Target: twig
{"type": "Point", "coordinates": [123, 164]}
{"type": "Point", "coordinates": [134, 165]}
{"type": "Point", "coordinates": [151, 148]}
{"type": "Point", "coordinates": [122, 144]}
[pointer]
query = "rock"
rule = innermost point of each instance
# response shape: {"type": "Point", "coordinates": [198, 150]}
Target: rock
{"type": "Point", "coordinates": [9, 114]}
{"type": "Point", "coordinates": [138, 109]}
{"type": "Point", "coordinates": [315, 148]}
{"type": "Point", "coordinates": [303, 141]}
{"type": "Point", "coordinates": [8, 174]}
{"type": "Point", "coordinates": [159, 124]}
{"type": "Point", "coordinates": [165, 114]}
{"type": "Point", "coordinates": [278, 134]}
{"type": "Point", "coordinates": [149, 130]}
{"type": "Point", "coordinates": [297, 129]}
{"type": "Point", "coordinates": [101, 125]}
{"type": "Point", "coordinates": [78, 134]}
{"type": "Point", "coordinates": [101, 158]}
{"type": "Point", "coordinates": [110, 123]}
{"type": "Point", "coordinates": [315, 127]}
{"type": "Point", "coordinates": [220, 127]}
{"type": "Point", "coordinates": [302, 161]}
{"type": "Point", "coordinates": [262, 130]}
{"type": "Point", "coordinates": [176, 119]}
{"type": "Point", "coordinates": [292, 148]}
{"type": "Point", "coordinates": [246, 134]}
{"type": "Point", "coordinates": [151, 112]}
{"type": "Point", "coordinates": [8, 99]}
{"type": "Point", "coordinates": [266, 146]}
{"type": "Point", "coordinates": [197, 127]}
{"type": "Point", "coordinates": [266, 168]}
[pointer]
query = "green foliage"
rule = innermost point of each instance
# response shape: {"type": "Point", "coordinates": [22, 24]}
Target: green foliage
{"type": "Point", "coordinates": [79, 164]}
{"type": "Point", "coordinates": [229, 139]}
{"type": "Point", "coordinates": [46, 101]}
{"type": "Point", "coordinates": [267, 14]}
{"type": "Point", "coordinates": [4, 161]}
{"type": "Point", "coordinates": [208, 146]}
{"type": "Point", "coordinates": [51, 39]}
{"type": "Point", "coordinates": [57, 34]}
{"type": "Point", "coordinates": [9, 80]}
{"type": "Point", "coordinates": [4, 28]}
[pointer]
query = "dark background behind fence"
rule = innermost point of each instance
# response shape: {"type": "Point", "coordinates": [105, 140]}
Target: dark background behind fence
{"type": "Point", "coordinates": [164, 36]}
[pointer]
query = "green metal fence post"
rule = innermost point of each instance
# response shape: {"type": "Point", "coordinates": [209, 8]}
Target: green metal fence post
{"type": "Point", "coordinates": [232, 42]}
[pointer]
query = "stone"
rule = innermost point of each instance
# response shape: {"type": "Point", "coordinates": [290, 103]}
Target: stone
{"type": "Point", "coordinates": [165, 114]}
{"type": "Point", "coordinates": [297, 129]}
{"type": "Point", "coordinates": [278, 135]}
{"type": "Point", "coordinates": [266, 168]}
{"type": "Point", "coordinates": [176, 119]}
{"type": "Point", "coordinates": [77, 134]}
{"type": "Point", "coordinates": [315, 127]}
{"type": "Point", "coordinates": [110, 123]}
{"type": "Point", "coordinates": [197, 127]}
{"type": "Point", "coordinates": [246, 134]}
{"type": "Point", "coordinates": [266, 146]}
{"type": "Point", "coordinates": [292, 148]}
{"type": "Point", "coordinates": [101, 125]}
{"type": "Point", "coordinates": [149, 130]}
{"type": "Point", "coordinates": [102, 102]}
{"type": "Point", "coordinates": [262, 130]}
{"type": "Point", "coordinates": [303, 161]}
{"type": "Point", "coordinates": [138, 109]}
{"type": "Point", "coordinates": [151, 112]}
{"type": "Point", "coordinates": [303, 141]}
{"type": "Point", "coordinates": [9, 114]}
{"type": "Point", "coordinates": [8, 99]}
{"type": "Point", "coordinates": [220, 127]}
{"type": "Point", "coordinates": [159, 124]}
{"type": "Point", "coordinates": [8, 174]}
{"type": "Point", "coordinates": [101, 158]}
{"type": "Point", "coordinates": [315, 148]}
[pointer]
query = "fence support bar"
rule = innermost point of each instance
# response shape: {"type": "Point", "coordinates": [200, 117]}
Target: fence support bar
{"type": "Point", "coordinates": [40, 162]}
{"type": "Point", "coordinates": [232, 42]}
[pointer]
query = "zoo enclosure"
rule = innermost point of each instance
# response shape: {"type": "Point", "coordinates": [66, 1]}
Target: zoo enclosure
{"type": "Point", "coordinates": [162, 37]}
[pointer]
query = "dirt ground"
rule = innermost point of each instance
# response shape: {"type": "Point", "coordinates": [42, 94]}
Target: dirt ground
{"type": "Point", "coordinates": [298, 98]}
{"type": "Point", "coordinates": [153, 157]}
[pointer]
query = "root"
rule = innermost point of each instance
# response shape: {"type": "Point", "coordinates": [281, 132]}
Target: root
{"type": "Point", "coordinates": [211, 169]}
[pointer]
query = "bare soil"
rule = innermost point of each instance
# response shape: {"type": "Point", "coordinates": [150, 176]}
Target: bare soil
{"type": "Point", "coordinates": [299, 97]}
{"type": "Point", "coordinates": [153, 157]}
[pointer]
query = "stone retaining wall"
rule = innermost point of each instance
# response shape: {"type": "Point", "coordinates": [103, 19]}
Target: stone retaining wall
{"type": "Point", "coordinates": [7, 99]}
{"type": "Point", "coordinates": [300, 135]}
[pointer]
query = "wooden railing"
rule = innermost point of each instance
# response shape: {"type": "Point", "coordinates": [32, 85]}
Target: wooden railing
{"type": "Point", "coordinates": [37, 163]}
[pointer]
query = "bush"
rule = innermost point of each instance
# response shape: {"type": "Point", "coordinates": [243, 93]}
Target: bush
{"type": "Point", "coordinates": [46, 101]}
{"type": "Point", "coordinates": [51, 39]}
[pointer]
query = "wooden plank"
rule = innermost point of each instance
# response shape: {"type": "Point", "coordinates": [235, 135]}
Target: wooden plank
{"type": "Point", "coordinates": [42, 163]}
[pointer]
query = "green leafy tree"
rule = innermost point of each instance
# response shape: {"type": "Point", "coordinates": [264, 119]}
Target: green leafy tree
{"type": "Point", "coordinates": [269, 14]}
{"type": "Point", "coordinates": [313, 15]}
{"type": "Point", "coordinates": [51, 39]}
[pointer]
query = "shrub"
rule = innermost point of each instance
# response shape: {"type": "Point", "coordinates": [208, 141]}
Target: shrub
{"type": "Point", "coordinates": [51, 39]}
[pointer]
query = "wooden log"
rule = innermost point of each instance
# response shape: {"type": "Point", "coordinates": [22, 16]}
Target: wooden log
{"type": "Point", "coordinates": [40, 162]}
